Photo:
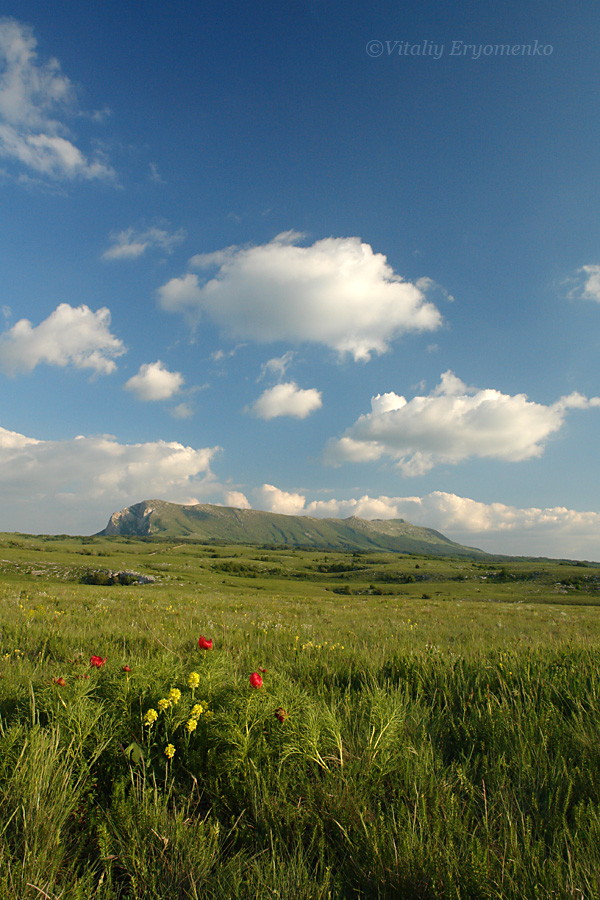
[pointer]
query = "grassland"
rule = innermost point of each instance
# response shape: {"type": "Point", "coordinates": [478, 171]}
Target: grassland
{"type": "Point", "coordinates": [426, 728]}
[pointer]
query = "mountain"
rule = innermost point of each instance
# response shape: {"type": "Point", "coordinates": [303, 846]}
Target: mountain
{"type": "Point", "coordinates": [204, 522]}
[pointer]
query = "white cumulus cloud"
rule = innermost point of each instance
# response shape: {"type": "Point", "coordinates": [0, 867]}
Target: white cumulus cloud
{"type": "Point", "coordinates": [337, 292]}
{"type": "Point", "coordinates": [154, 382]}
{"type": "Point", "coordinates": [236, 499]}
{"type": "Point", "coordinates": [69, 336]}
{"type": "Point", "coordinates": [34, 96]}
{"type": "Point", "coordinates": [74, 485]}
{"type": "Point", "coordinates": [272, 499]}
{"type": "Point", "coordinates": [286, 399]}
{"type": "Point", "coordinates": [452, 424]}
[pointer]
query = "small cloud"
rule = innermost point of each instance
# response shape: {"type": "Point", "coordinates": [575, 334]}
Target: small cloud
{"type": "Point", "coordinates": [273, 499]}
{"type": "Point", "coordinates": [586, 284]}
{"type": "Point", "coordinates": [130, 244]}
{"type": "Point", "coordinates": [220, 356]}
{"type": "Point", "coordinates": [155, 382]}
{"type": "Point", "coordinates": [182, 411]}
{"type": "Point", "coordinates": [286, 399]}
{"type": "Point", "coordinates": [236, 499]}
{"type": "Point", "coordinates": [277, 366]}
{"type": "Point", "coordinates": [69, 336]}
{"type": "Point", "coordinates": [154, 174]}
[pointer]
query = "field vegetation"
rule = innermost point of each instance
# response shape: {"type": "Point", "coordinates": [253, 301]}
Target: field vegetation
{"type": "Point", "coordinates": [364, 725]}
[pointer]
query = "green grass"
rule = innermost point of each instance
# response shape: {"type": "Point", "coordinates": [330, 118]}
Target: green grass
{"type": "Point", "coordinates": [440, 735]}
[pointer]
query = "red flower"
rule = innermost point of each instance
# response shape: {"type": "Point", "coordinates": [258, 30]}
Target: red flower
{"type": "Point", "coordinates": [280, 714]}
{"type": "Point", "coordinates": [205, 643]}
{"type": "Point", "coordinates": [260, 669]}
{"type": "Point", "coordinates": [126, 669]}
{"type": "Point", "coordinates": [60, 681]}
{"type": "Point", "coordinates": [97, 661]}
{"type": "Point", "coordinates": [255, 680]}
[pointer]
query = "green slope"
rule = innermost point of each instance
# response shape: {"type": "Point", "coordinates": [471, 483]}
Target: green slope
{"type": "Point", "coordinates": [205, 522]}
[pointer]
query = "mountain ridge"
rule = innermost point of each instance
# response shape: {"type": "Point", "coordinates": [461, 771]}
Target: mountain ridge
{"type": "Point", "coordinates": [207, 522]}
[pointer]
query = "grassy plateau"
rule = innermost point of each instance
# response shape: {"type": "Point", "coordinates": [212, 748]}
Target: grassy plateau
{"type": "Point", "coordinates": [365, 725]}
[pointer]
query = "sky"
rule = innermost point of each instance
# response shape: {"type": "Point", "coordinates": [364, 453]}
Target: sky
{"type": "Point", "coordinates": [323, 258]}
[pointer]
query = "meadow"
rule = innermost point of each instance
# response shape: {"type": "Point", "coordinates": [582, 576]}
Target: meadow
{"type": "Point", "coordinates": [354, 725]}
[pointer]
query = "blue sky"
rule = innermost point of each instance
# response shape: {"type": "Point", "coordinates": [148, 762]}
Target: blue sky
{"type": "Point", "coordinates": [318, 258]}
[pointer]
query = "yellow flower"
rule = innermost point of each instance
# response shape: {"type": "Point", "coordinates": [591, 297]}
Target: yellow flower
{"type": "Point", "coordinates": [174, 695]}
{"type": "Point", "coordinates": [197, 710]}
{"type": "Point", "coordinates": [193, 680]}
{"type": "Point", "coordinates": [169, 751]}
{"type": "Point", "coordinates": [150, 717]}
{"type": "Point", "coordinates": [163, 704]}
{"type": "Point", "coordinates": [191, 725]}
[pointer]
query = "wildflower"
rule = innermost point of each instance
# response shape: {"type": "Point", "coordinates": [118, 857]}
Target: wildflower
{"type": "Point", "coordinates": [150, 718]}
{"type": "Point", "coordinates": [60, 681]}
{"type": "Point", "coordinates": [126, 669]}
{"type": "Point", "coordinates": [174, 695]}
{"type": "Point", "coordinates": [169, 751]}
{"type": "Point", "coordinates": [163, 704]}
{"type": "Point", "coordinates": [193, 680]}
{"type": "Point", "coordinates": [97, 661]}
{"type": "Point", "coordinates": [260, 669]}
{"type": "Point", "coordinates": [280, 714]}
{"type": "Point", "coordinates": [191, 725]}
{"type": "Point", "coordinates": [205, 643]}
{"type": "Point", "coordinates": [255, 680]}
{"type": "Point", "coordinates": [197, 710]}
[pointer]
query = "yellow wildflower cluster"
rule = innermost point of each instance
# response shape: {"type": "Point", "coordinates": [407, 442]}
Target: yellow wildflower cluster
{"type": "Point", "coordinates": [310, 645]}
{"type": "Point", "coordinates": [163, 704]}
{"type": "Point", "coordinates": [150, 718]}
{"type": "Point", "coordinates": [191, 725]}
{"type": "Point", "coordinates": [193, 680]}
{"type": "Point", "coordinates": [169, 751]}
{"type": "Point", "coordinates": [174, 695]}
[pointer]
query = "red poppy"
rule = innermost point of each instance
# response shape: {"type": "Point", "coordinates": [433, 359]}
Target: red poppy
{"type": "Point", "coordinates": [126, 669]}
{"type": "Point", "coordinates": [60, 681]}
{"type": "Point", "coordinates": [280, 714]}
{"type": "Point", "coordinates": [260, 669]}
{"type": "Point", "coordinates": [97, 661]}
{"type": "Point", "coordinates": [255, 680]}
{"type": "Point", "coordinates": [205, 643]}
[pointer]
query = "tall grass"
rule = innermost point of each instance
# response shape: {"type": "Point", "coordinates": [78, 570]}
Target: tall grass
{"type": "Point", "coordinates": [386, 755]}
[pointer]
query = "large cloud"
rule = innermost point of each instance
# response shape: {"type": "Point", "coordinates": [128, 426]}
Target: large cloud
{"type": "Point", "coordinates": [286, 399]}
{"type": "Point", "coordinates": [32, 95]}
{"type": "Point", "coordinates": [69, 336]}
{"type": "Point", "coordinates": [450, 425]}
{"type": "Point", "coordinates": [337, 292]}
{"type": "Point", "coordinates": [74, 485]}
{"type": "Point", "coordinates": [495, 527]}
{"type": "Point", "coordinates": [154, 382]}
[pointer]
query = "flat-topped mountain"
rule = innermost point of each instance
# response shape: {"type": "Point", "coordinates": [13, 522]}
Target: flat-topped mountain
{"type": "Point", "coordinates": [205, 522]}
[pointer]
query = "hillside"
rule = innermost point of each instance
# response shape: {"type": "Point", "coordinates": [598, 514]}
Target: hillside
{"type": "Point", "coordinates": [205, 522]}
